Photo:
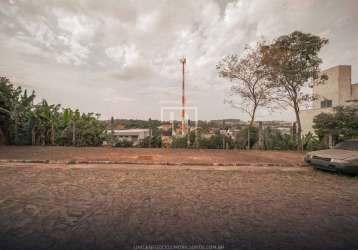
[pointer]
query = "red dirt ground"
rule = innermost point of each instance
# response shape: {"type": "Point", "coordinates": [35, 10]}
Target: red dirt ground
{"type": "Point", "coordinates": [142, 155]}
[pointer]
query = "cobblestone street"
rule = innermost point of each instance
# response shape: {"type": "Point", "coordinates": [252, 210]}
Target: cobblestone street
{"type": "Point", "coordinates": [118, 206]}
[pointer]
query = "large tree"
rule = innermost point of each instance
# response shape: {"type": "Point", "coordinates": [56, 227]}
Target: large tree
{"type": "Point", "coordinates": [22, 122]}
{"type": "Point", "coordinates": [15, 110]}
{"type": "Point", "coordinates": [341, 125]}
{"type": "Point", "coordinates": [250, 89]}
{"type": "Point", "coordinates": [293, 64]}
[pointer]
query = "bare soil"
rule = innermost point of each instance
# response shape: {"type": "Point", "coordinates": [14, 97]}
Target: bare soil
{"type": "Point", "coordinates": [60, 206]}
{"type": "Point", "coordinates": [142, 155]}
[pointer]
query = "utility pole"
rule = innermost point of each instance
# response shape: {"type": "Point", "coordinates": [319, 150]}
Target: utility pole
{"type": "Point", "coordinates": [183, 62]}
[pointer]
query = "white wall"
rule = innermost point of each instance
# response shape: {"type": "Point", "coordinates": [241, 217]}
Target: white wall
{"type": "Point", "coordinates": [307, 118]}
{"type": "Point", "coordinates": [355, 91]}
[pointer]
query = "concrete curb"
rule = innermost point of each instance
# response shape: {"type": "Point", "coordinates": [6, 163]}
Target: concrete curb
{"type": "Point", "coordinates": [73, 161]}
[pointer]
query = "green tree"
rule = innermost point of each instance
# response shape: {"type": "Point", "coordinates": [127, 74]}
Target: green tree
{"type": "Point", "coordinates": [341, 125]}
{"type": "Point", "coordinates": [241, 138]}
{"type": "Point", "coordinates": [249, 82]}
{"type": "Point", "coordinates": [15, 108]}
{"type": "Point", "coordinates": [293, 62]}
{"type": "Point", "coordinates": [89, 130]}
{"type": "Point", "coordinates": [22, 122]}
{"type": "Point", "coordinates": [274, 139]}
{"type": "Point", "coordinates": [179, 142]}
{"type": "Point", "coordinates": [151, 142]}
{"type": "Point", "coordinates": [67, 126]}
{"type": "Point", "coordinates": [46, 118]}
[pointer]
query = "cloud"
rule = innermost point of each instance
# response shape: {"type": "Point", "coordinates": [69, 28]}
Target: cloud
{"type": "Point", "coordinates": [125, 54]}
{"type": "Point", "coordinates": [138, 71]}
{"type": "Point", "coordinates": [116, 99]}
{"type": "Point", "coordinates": [74, 51]}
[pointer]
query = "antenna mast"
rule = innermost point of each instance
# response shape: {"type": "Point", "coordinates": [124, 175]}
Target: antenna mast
{"type": "Point", "coordinates": [183, 62]}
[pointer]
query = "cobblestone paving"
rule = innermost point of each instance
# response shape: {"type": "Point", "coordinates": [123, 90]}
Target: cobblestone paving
{"type": "Point", "coordinates": [115, 207]}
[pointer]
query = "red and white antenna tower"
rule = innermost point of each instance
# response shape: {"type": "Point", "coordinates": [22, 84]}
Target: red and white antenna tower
{"type": "Point", "coordinates": [183, 127]}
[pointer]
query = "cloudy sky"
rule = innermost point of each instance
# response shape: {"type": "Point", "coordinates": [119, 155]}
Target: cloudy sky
{"type": "Point", "coordinates": [121, 58]}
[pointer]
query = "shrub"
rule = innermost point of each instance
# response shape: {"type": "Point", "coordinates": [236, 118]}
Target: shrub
{"type": "Point", "coordinates": [123, 144]}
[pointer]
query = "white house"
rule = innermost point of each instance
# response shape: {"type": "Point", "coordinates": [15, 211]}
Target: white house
{"type": "Point", "coordinates": [132, 135]}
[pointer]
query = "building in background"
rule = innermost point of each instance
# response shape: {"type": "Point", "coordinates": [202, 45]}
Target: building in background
{"type": "Point", "coordinates": [135, 136]}
{"type": "Point", "coordinates": [338, 90]}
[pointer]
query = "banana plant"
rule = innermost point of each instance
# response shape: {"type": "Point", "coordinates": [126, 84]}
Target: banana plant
{"type": "Point", "coordinates": [46, 117]}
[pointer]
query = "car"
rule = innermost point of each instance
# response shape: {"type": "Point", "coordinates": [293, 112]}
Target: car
{"type": "Point", "coordinates": [342, 158]}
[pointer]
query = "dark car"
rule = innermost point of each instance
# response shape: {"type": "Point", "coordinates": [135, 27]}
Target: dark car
{"type": "Point", "coordinates": [342, 158]}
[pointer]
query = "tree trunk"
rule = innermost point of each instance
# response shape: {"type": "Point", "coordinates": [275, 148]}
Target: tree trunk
{"type": "Point", "coordinates": [299, 129]}
{"type": "Point", "coordinates": [249, 128]}
{"type": "Point", "coordinates": [224, 142]}
{"type": "Point", "coordinates": [112, 131]}
{"type": "Point", "coordinates": [196, 137]}
{"type": "Point", "coordinates": [2, 137]}
{"type": "Point", "coordinates": [33, 136]}
{"type": "Point", "coordinates": [43, 138]}
{"type": "Point", "coordinates": [15, 131]}
{"type": "Point", "coordinates": [52, 134]}
{"type": "Point", "coordinates": [73, 133]}
{"type": "Point", "coordinates": [261, 139]}
{"type": "Point", "coordinates": [188, 137]}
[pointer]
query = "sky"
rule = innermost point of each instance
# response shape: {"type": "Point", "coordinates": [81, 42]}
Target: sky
{"type": "Point", "coordinates": [121, 58]}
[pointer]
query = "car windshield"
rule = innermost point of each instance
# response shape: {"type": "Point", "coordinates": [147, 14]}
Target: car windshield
{"type": "Point", "coordinates": [348, 145]}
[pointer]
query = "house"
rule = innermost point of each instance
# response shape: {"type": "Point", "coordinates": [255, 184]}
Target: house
{"type": "Point", "coordinates": [338, 90]}
{"type": "Point", "coordinates": [133, 135]}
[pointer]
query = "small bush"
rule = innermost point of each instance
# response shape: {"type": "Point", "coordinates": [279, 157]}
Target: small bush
{"type": "Point", "coordinates": [123, 144]}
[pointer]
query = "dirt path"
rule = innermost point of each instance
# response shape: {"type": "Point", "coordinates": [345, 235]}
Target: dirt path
{"type": "Point", "coordinates": [118, 207]}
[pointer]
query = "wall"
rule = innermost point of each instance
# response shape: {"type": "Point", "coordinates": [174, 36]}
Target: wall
{"type": "Point", "coordinates": [328, 89]}
{"type": "Point", "coordinates": [307, 118]}
{"type": "Point", "coordinates": [345, 84]}
{"type": "Point", "coordinates": [355, 91]}
{"type": "Point", "coordinates": [336, 88]}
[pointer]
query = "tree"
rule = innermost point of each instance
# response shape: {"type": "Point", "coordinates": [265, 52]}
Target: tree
{"type": "Point", "coordinates": [22, 122]}
{"type": "Point", "coordinates": [341, 125]}
{"type": "Point", "coordinates": [15, 107]}
{"type": "Point", "coordinates": [216, 141]}
{"type": "Point", "coordinates": [249, 82]}
{"type": "Point", "coordinates": [154, 141]}
{"type": "Point", "coordinates": [20, 115]}
{"type": "Point", "coordinates": [242, 140]}
{"type": "Point", "coordinates": [293, 64]}
{"type": "Point", "coordinates": [112, 130]}
{"type": "Point", "coordinates": [46, 121]}
{"type": "Point", "coordinates": [67, 126]}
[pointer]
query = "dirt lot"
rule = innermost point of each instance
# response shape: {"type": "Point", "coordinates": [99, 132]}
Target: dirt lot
{"type": "Point", "coordinates": [133, 155]}
{"type": "Point", "coordinates": [122, 206]}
